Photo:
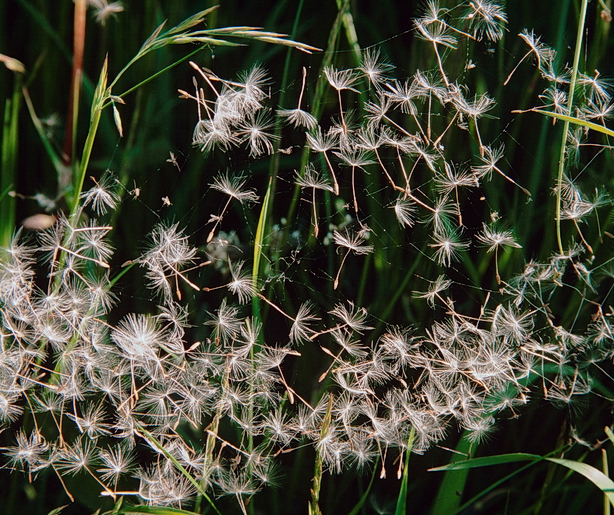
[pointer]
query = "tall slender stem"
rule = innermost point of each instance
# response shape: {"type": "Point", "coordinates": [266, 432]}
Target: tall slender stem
{"type": "Point", "coordinates": [572, 87]}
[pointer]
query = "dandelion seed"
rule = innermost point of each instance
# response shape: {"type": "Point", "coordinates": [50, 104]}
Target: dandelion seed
{"type": "Point", "coordinates": [601, 111]}
{"type": "Point", "coordinates": [77, 457]}
{"type": "Point", "coordinates": [30, 452]}
{"type": "Point", "coordinates": [440, 214]}
{"type": "Point", "coordinates": [226, 322]}
{"type": "Point", "coordinates": [403, 95]}
{"type": "Point", "coordinates": [92, 421]}
{"type": "Point", "coordinates": [355, 159]}
{"type": "Point", "coordinates": [10, 410]}
{"type": "Point", "coordinates": [478, 429]}
{"type": "Point", "coordinates": [160, 486]}
{"type": "Point", "coordinates": [318, 142]}
{"type": "Point", "coordinates": [117, 462]}
{"type": "Point", "coordinates": [542, 52]}
{"type": "Point", "coordinates": [486, 18]}
{"type": "Point", "coordinates": [105, 10]}
{"type": "Point", "coordinates": [374, 68]}
{"type": "Point", "coordinates": [233, 187]}
{"type": "Point", "coordinates": [277, 427]}
{"type": "Point", "coordinates": [300, 331]}
{"type": "Point", "coordinates": [298, 117]}
{"type": "Point", "coordinates": [474, 109]}
{"type": "Point", "coordinates": [576, 207]}
{"type": "Point", "coordinates": [208, 135]}
{"type": "Point", "coordinates": [341, 80]}
{"type": "Point", "coordinates": [495, 240]}
{"type": "Point", "coordinates": [436, 34]}
{"type": "Point", "coordinates": [169, 253]}
{"type": "Point", "coordinates": [455, 177]}
{"type": "Point", "coordinates": [139, 337]}
{"type": "Point", "coordinates": [512, 326]}
{"type": "Point", "coordinates": [353, 243]}
{"type": "Point", "coordinates": [311, 179]}
{"type": "Point", "coordinates": [490, 158]}
{"type": "Point", "coordinates": [439, 285]}
{"type": "Point", "coordinates": [447, 245]}
{"type": "Point", "coordinates": [250, 87]}
{"type": "Point", "coordinates": [241, 284]}
{"type": "Point", "coordinates": [599, 89]}
{"type": "Point", "coordinates": [405, 209]}
{"type": "Point", "coordinates": [254, 132]}
{"type": "Point", "coordinates": [432, 13]}
{"type": "Point", "coordinates": [103, 196]}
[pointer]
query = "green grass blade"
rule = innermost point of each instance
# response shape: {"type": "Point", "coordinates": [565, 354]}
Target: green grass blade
{"type": "Point", "coordinates": [603, 482]}
{"type": "Point", "coordinates": [448, 499]}
{"type": "Point", "coordinates": [259, 244]}
{"type": "Point", "coordinates": [162, 71]}
{"type": "Point", "coordinates": [56, 160]}
{"type": "Point", "coordinates": [8, 160]}
{"type": "Point", "coordinates": [606, 470]}
{"type": "Point", "coordinates": [572, 87]}
{"type": "Point", "coordinates": [350, 28]}
{"type": "Point", "coordinates": [100, 97]}
{"type": "Point", "coordinates": [356, 509]}
{"type": "Point", "coordinates": [401, 508]}
{"type": "Point", "coordinates": [488, 461]}
{"type": "Point", "coordinates": [58, 510]}
{"type": "Point", "coordinates": [576, 121]}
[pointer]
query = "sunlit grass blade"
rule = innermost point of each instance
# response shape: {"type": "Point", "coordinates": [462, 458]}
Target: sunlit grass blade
{"type": "Point", "coordinates": [576, 121]}
{"type": "Point", "coordinates": [9, 152]}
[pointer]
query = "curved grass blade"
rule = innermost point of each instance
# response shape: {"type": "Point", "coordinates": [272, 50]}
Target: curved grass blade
{"type": "Point", "coordinates": [603, 482]}
{"type": "Point", "coordinates": [488, 461]}
{"type": "Point", "coordinates": [401, 508]}
{"type": "Point", "coordinates": [356, 509]}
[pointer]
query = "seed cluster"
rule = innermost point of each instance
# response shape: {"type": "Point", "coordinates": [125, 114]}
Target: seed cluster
{"type": "Point", "coordinates": [80, 395]}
